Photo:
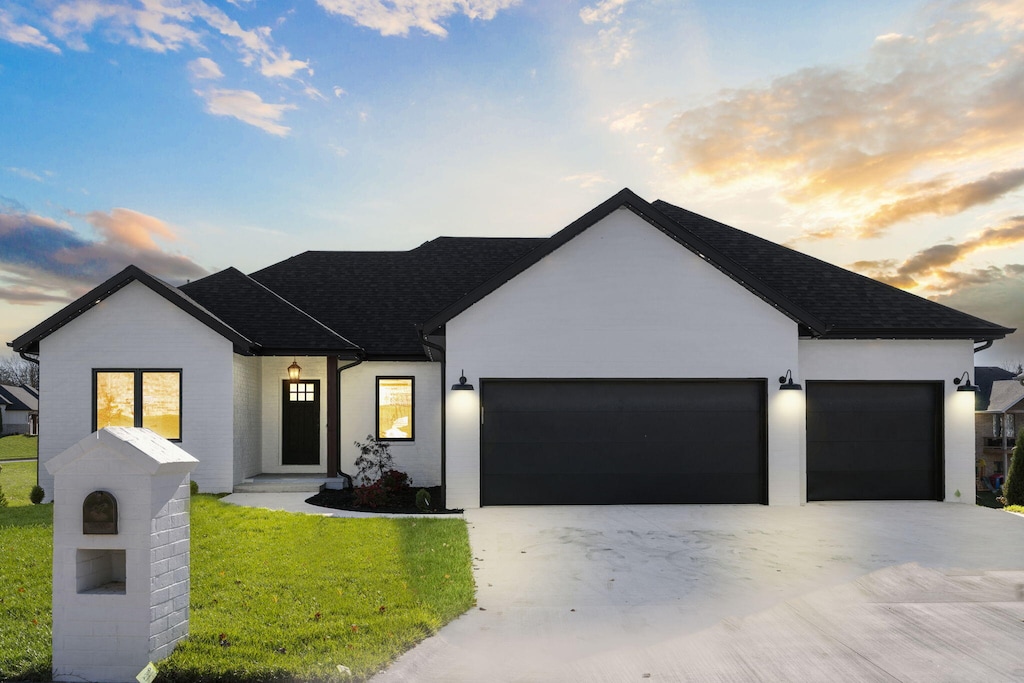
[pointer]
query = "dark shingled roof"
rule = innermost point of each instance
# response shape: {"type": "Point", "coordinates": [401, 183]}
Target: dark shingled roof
{"type": "Point", "coordinates": [984, 376]}
{"type": "Point", "coordinates": [380, 299]}
{"type": "Point", "coordinates": [377, 298]}
{"type": "Point", "coordinates": [261, 315]}
{"type": "Point", "coordinates": [21, 397]}
{"type": "Point", "coordinates": [850, 305]}
{"type": "Point", "coordinates": [29, 342]}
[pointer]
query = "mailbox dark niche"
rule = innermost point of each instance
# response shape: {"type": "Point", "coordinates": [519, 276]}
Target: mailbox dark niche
{"type": "Point", "coordinates": [99, 513]}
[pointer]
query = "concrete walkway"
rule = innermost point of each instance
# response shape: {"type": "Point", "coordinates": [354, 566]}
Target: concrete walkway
{"type": "Point", "coordinates": [824, 592]}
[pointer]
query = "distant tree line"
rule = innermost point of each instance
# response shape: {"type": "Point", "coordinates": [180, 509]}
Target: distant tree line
{"type": "Point", "coordinates": [16, 371]}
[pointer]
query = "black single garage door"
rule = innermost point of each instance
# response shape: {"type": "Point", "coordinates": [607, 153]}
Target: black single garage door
{"type": "Point", "coordinates": [551, 442]}
{"type": "Point", "coordinates": [874, 441]}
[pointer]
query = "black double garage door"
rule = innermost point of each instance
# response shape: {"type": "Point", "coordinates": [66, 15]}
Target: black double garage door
{"type": "Point", "coordinates": [551, 442]}
{"type": "Point", "coordinates": [621, 441]}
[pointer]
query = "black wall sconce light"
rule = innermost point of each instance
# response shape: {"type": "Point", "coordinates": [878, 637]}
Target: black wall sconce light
{"type": "Point", "coordinates": [462, 386]}
{"type": "Point", "coordinates": [787, 382]}
{"type": "Point", "coordinates": [966, 380]}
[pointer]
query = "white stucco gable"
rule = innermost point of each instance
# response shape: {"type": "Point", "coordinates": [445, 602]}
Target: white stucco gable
{"type": "Point", "coordinates": [135, 328]}
{"type": "Point", "coordinates": [623, 300]}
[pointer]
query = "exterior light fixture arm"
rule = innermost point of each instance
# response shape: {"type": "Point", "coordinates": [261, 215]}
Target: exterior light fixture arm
{"type": "Point", "coordinates": [787, 382]}
{"type": "Point", "coordinates": [462, 385]}
{"type": "Point", "coordinates": [964, 379]}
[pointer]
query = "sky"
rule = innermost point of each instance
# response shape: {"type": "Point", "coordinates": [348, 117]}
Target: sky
{"type": "Point", "coordinates": [186, 136]}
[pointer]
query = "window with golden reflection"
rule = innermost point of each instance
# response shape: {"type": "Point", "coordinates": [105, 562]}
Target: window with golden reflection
{"type": "Point", "coordinates": [115, 399]}
{"type": "Point", "coordinates": [161, 403]}
{"type": "Point", "coordinates": [395, 408]}
{"type": "Point", "coordinates": [139, 398]}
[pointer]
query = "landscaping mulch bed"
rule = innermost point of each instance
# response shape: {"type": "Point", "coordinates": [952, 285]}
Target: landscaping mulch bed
{"type": "Point", "coordinates": [403, 503]}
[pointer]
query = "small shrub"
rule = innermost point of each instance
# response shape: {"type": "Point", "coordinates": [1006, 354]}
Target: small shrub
{"type": "Point", "coordinates": [370, 496]}
{"type": "Point", "coordinates": [1013, 484]}
{"type": "Point", "coordinates": [37, 494]}
{"type": "Point", "coordinates": [423, 500]}
{"type": "Point", "coordinates": [374, 459]}
{"type": "Point", "coordinates": [193, 487]}
{"type": "Point", "coordinates": [3, 498]}
{"type": "Point", "coordinates": [394, 481]}
{"type": "Point", "coordinates": [388, 490]}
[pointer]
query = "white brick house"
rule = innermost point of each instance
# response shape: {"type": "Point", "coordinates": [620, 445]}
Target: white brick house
{"type": "Point", "coordinates": [634, 356]}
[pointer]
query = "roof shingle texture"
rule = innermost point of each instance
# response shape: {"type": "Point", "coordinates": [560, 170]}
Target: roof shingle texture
{"type": "Point", "coordinates": [377, 298]}
{"type": "Point", "coordinates": [261, 315]}
{"type": "Point", "coordinates": [848, 303]}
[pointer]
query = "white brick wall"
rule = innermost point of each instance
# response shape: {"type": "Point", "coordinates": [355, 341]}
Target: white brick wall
{"type": "Point", "coordinates": [136, 328]}
{"type": "Point", "coordinates": [419, 458]}
{"type": "Point", "coordinates": [248, 428]}
{"type": "Point", "coordinates": [110, 635]}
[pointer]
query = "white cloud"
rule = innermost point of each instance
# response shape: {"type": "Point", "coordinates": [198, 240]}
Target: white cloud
{"type": "Point", "coordinates": [169, 26]}
{"type": "Point", "coordinates": [339, 91]}
{"type": "Point", "coordinates": [25, 173]}
{"type": "Point", "coordinates": [248, 107]}
{"type": "Point", "coordinates": [604, 12]}
{"type": "Point", "coordinates": [314, 94]}
{"type": "Point", "coordinates": [585, 181]}
{"type": "Point", "coordinates": [281, 65]}
{"type": "Point", "coordinates": [926, 125]}
{"type": "Point", "coordinates": [397, 17]}
{"type": "Point", "coordinates": [23, 34]}
{"type": "Point", "coordinates": [205, 69]}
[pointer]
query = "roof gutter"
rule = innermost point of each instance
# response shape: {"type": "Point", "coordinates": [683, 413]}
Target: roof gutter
{"type": "Point", "coordinates": [984, 346]}
{"type": "Point", "coordinates": [341, 369]}
{"type": "Point", "coordinates": [444, 418]}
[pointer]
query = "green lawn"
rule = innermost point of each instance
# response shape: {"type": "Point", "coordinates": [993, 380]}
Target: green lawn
{"type": "Point", "coordinates": [17, 447]}
{"type": "Point", "coordinates": [17, 480]}
{"type": "Point", "coordinates": [275, 596]}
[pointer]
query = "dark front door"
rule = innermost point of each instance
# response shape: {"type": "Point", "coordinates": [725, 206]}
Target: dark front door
{"type": "Point", "coordinates": [874, 441]}
{"type": "Point", "coordinates": [558, 442]}
{"type": "Point", "coordinates": [300, 416]}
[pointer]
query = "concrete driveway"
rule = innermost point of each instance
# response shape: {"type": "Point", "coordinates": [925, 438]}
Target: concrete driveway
{"type": "Point", "coordinates": [909, 591]}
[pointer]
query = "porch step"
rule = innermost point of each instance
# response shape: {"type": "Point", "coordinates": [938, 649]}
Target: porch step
{"type": "Point", "coordinates": [282, 483]}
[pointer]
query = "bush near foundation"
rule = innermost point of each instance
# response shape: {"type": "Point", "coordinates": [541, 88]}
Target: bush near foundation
{"type": "Point", "coordinates": [1013, 485]}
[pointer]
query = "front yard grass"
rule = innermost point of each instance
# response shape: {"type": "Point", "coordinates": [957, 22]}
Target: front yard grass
{"type": "Point", "coordinates": [275, 596]}
{"type": "Point", "coordinates": [18, 447]}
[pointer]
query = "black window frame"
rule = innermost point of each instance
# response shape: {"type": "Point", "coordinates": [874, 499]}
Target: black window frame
{"type": "Point", "coordinates": [412, 408]}
{"type": "Point", "coordinates": [139, 372]}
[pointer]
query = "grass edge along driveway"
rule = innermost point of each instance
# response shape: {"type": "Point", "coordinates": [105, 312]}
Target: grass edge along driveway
{"type": "Point", "coordinates": [276, 596]}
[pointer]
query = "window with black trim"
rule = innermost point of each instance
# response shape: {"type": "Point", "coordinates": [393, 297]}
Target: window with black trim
{"type": "Point", "coordinates": [395, 408]}
{"type": "Point", "coordinates": [138, 398]}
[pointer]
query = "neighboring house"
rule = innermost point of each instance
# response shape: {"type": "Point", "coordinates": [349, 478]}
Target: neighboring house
{"type": "Point", "coordinates": [999, 415]}
{"type": "Point", "coordinates": [20, 405]}
{"type": "Point", "coordinates": [635, 356]}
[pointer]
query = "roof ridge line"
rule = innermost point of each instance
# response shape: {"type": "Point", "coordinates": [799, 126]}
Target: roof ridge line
{"type": "Point", "coordinates": [308, 315]}
{"type": "Point", "coordinates": [730, 267]}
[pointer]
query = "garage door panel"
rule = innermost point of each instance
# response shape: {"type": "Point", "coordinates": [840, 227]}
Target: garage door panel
{"type": "Point", "coordinates": [616, 489]}
{"type": "Point", "coordinates": [612, 441]}
{"type": "Point", "coordinates": [653, 460]}
{"type": "Point", "coordinates": [853, 457]}
{"type": "Point", "coordinates": [884, 485]}
{"type": "Point", "coordinates": [884, 397]}
{"type": "Point", "coordinates": [869, 425]}
{"type": "Point", "coordinates": [874, 441]}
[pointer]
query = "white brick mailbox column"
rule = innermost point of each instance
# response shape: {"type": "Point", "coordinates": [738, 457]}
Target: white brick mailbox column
{"type": "Point", "coordinates": [120, 554]}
